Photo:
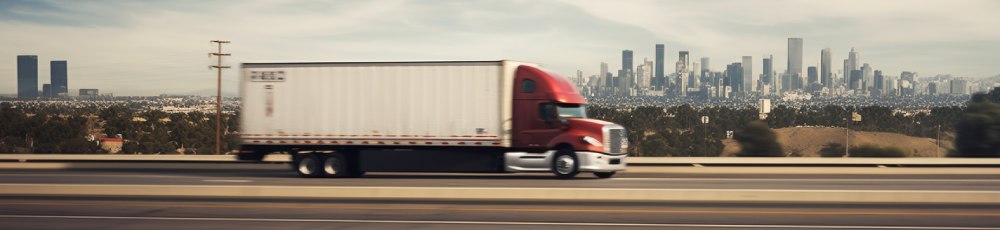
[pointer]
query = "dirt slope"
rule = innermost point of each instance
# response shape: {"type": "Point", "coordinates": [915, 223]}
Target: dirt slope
{"type": "Point", "coordinates": [808, 141]}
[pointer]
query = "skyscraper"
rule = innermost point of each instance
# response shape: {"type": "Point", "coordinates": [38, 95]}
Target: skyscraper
{"type": "Point", "coordinates": [683, 62]}
{"type": "Point", "coordinates": [868, 78]}
{"type": "Point", "coordinates": [813, 76]}
{"type": "Point", "coordinates": [826, 68]}
{"type": "Point", "coordinates": [878, 84]}
{"type": "Point", "coordinates": [59, 81]}
{"type": "Point", "coordinates": [659, 77]}
{"type": "Point", "coordinates": [854, 59]}
{"type": "Point", "coordinates": [627, 61]}
{"type": "Point", "coordinates": [604, 75]}
{"type": "Point", "coordinates": [848, 79]}
{"type": "Point", "coordinates": [768, 74]}
{"type": "Point", "coordinates": [795, 59]}
{"type": "Point", "coordinates": [734, 77]}
{"type": "Point", "coordinates": [749, 83]}
{"type": "Point", "coordinates": [27, 76]}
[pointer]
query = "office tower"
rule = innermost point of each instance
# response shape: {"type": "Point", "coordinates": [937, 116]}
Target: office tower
{"type": "Point", "coordinates": [867, 78]}
{"type": "Point", "coordinates": [579, 78]}
{"type": "Point", "coordinates": [826, 68]}
{"type": "Point", "coordinates": [706, 70]}
{"type": "Point", "coordinates": [909, 76]}
{"type": "Point", "coordinates": [749, 83]}
{"type": "Point", "coordinates": [695, 81]}
{"type": "Point", "coordinates": [27, 76]}
{"type": "Point", "coordinates": [59, 80]}
{"type": "Point", "coordinates": [878, 86]}
{"type": "Point", "coordinates": [648, 79]}
{"type": "Point", "coordinates": [959, 86]}
{"type": "Point", "coordinates": [683, 62]}
{"type": "Point", "coordinates": [795, 57]}
{"type": "Point", "coordinates": [46, 90]}
{"type": "Point", "coordinates": [659, 78]}
{"type": "Point", "coordinates": [627, 60]}
{"type": "Point", "coordinates": [813, 76]}
{"type": "Point", "coordinates": [605, 81]}
{"type": "Point", "coordinates": [734, 77]}
{"type": "Point", "coordinates": [847, 73]}
{"type": "Point", "coordinates": [854, 59]}
{"type": "Point", "coordinates": [855, 83]}
{"type": "Point", "coordinates": [767, 77]}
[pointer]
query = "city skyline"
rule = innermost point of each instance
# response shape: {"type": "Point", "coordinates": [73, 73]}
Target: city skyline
{"type": "Point", "coordinates": [149, 49]}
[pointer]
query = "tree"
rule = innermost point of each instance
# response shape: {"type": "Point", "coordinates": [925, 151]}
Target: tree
{"type": "Point", "coordinates": [978, 131]}
{"type": "Point", "coordinates": [757, 140]}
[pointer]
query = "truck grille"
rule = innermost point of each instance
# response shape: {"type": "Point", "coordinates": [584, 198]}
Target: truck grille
{"type": "Point", "coordinates": [615, 140]}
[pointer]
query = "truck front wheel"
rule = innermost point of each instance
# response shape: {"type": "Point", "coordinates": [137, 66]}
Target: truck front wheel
{"type": "Point", "coordinates": [308, 165]}
{"type": "Point", "coordinates": [564, 164]}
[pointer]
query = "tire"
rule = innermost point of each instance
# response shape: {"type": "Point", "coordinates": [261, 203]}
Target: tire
{"type": "Point", "coordinates": [605, 174]}
{"type": "Point", "coordinates": [335, 165]}
{"type": "Point", "coordinates": [308, 165]}
{"type": "Point", "coordinates": [565, 164]}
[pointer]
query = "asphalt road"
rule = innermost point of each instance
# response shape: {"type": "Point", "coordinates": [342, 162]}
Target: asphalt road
{"type": "Point", "coordinates": [281, 175]}
{"type": "Point", "coordinates": [104, 212]}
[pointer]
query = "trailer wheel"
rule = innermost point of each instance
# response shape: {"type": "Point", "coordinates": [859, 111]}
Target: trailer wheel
{"type": "Point", "coordinates": [564, 164]}
{"type": "Point", "coordinates": [308, 165]}
{"type": "Point", "coordinates": [336, 165]}
{"type": "Point", "coordinates": [604, 174]}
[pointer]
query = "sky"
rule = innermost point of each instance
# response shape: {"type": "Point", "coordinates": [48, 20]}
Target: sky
{"type": "Point", "coordinates": [154, 47]}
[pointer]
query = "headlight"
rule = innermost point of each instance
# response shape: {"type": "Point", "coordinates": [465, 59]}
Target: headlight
{"type": "Point", "coordinates": [592, 141]}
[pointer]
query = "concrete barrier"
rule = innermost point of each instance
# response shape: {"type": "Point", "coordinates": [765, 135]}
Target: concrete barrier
{"type": "Point", "coordinates": [633, 161]}
{"type": "Point", "coordinates": [498, 193]}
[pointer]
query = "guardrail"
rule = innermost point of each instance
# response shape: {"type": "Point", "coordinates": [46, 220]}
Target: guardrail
{"type": "Point", "coordinates": [633, 161]}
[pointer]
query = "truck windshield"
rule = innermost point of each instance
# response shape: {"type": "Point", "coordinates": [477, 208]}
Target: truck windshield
{"type": "Point", "coordinates": [571, 111]}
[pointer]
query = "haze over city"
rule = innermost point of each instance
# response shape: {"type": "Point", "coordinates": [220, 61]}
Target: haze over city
{"type": "Point", "coordinates": [131, 48]}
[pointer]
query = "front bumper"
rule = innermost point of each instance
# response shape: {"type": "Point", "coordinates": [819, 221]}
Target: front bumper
{"type": "Point", "coordinates": [600, 162]}
{"type": "Point", "coordinates": [542, 162]}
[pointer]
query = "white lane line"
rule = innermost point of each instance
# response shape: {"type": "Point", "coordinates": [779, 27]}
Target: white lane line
{"type": "Point", "coordinates": [584, 224]}
{"type": "Point", "coordinates": [806, 179]}
{"type": "Point", "coordinates": [229, 181]}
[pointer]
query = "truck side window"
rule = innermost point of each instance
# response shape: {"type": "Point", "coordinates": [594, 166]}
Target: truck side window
{"type": "Point", "coordinates": [547, 112]}
{"type": "Point", "coordinates": [528, 86]}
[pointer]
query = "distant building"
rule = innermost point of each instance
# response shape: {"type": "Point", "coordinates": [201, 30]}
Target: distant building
{"type": "Point", "coordinates": [734, 77]}
{"type": "Point", "coordinates": [59, 79]}
{"type": "Point", "coordinates": [627, 61]}
{"type": "Point", "coordinates": [795, 57]}
{"type": "Point", "coordinates": [867, 78]}
{"type": "Point", "coordinates": [89, 92]}
{"type": "Point", "coordinates": [683, 62]}
{"type": "Point", "coordinates": [46, 90]}
{"type": "Point", "coordinates": [853, 60]}
{"type": "Point", "coordinates": [813, 78]}
{"type": "Point", "coordinates": [658, 79]}
{"type": "Point", "coordinates": [878, 86]}
{"type": "Point", "coordinates": [826, 68]}
{"type": "Point", "coordinates": [27, 76]}
{"type": "Point", "coordinates": [768, 73]}
{"type": "Point", "coordinates": [959, 86]}
{"type": "Point", "coordinates": [749, 83]}
{"type": "Point", "coordinates": [604, 80]}
{"type": "Point", "coordinates": [855, 83]}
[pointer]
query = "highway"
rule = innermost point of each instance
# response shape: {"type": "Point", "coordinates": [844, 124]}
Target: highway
{"type": "Point", "coordinates": [169, 207]}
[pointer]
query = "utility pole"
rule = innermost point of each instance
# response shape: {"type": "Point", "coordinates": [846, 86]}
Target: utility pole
{"type": "Point", "coordinates": [218, 97]}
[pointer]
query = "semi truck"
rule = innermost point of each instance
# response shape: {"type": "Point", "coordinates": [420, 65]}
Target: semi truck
{"type": "Point", "coordinates": [342, 119]}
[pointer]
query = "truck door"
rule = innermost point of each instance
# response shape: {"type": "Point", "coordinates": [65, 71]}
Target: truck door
{"type": "Point", "coordinates": [535, 118]}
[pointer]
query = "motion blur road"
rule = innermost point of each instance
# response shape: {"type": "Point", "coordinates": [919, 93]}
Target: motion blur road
{"type": "Point", "coordinates": [171, 212]}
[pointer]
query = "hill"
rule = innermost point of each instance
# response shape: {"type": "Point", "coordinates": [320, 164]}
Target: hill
{"type": "Point", "coordinates": [808, 141]}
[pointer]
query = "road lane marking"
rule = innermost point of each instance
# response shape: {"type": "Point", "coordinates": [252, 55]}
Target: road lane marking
{"type": "Point", "coordinates": [582, 224]}
{"type": "Point", "coordinates": [541, 210]}
{"type": "Point", "coordinates": [229, 181]}
{"type": "Point", "coordinates": [803, 179]}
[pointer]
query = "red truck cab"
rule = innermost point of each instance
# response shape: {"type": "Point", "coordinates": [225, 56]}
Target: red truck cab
{"type": "Point", "coordinates": [552, 129]}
